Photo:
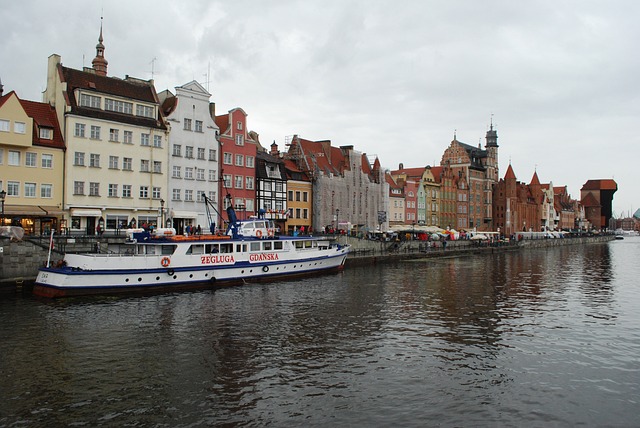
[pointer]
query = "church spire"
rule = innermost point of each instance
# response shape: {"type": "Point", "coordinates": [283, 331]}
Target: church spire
{"type": "Point", "coordinates": [99, 62]}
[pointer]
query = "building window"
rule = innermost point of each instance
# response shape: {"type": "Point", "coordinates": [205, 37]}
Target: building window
{"type": "Point", "coordinates": [249, 183]}
{"type": "Point", "coordinates": [157, 141]}
{"type": "Point", "coordinates": [177, 150]}
{"type": "Point", "coordinates": [238, 183]}
{"type": "Point", "coordinates": [187, 124]}
{"type": "Point", "coordinates": [78, 159]}
{"type": "Point", "coordinates": [239, 140]}
{"type": "Point", "coordinates": [188, 173]}
{"type": "Point", "coordinates": [126, 190]}
{"type": "Point", "coordinates": [94, 189]}
{"type": "Point", "coordinates": [250, 162]}
{"type": "Point", "coordinates": [175, 194]}
{"type": "Point", "coordinates": [78, 187]}
{"type": "Point", "coordinates": [4, 125]}
{"type": "Point", "coordinates": [227, 159]}
{"type": "Point", "coordinates": [200, 174]}
{"type": "Point", "coordinates": [95, 132]}
{"type": "Point", "coordinates": [201, 152]}
{"type": "Point", "coordinates": [144, 192]}
{"type": "Point", "coordinates": [188, 152]}
{"type": "Point", "coordinates": [198, 126]}
{"type": "Point", "coordinates": [118, 106]}
{"type": "Point", "coordinates": [144, 111]}
{"type": "Point", "coordinates": [305, 196]}
{"type": "Point", "coordinates": [113, 190]}
{"type": "Point", "coordinates": [298, 196]}
{"type": "Point", "coordinates": [290, 195]}
{"type": "Point", "coordinates": [128, 137]}
{"type": "Point", "coordinates": [94, 160]}
{"type": "Point", "coordinates": [113, 134]}
{"type": "Point", "coordinates": [144, 165]}
{"type": "Point", "coordinates": [176, 172]}
{"type": "Point", "coordinates": [46, 190]}
{"type": "Point", "coordinates": [212, 175]}
{"type": "Point", "coordinates": [113, 162]}
{"type": "Point", "coordinates": [157, 167]}
{"type": "Point", "coordinates": [144, 139]}
{"type": "Point", "coordinates": [19, 127]}
{"type": "Point", "coordinates": [87, 100]}
{"type": "Point", "coordinates": [305, 213]}
{"type": "Point", "coordinates": [46, 133]}
{"type": "Point", "coordinates": [13, 188]}
{"type": "Point", "coordinates": [227, 180]}
{"type": "Point", "coordinates": [155, 193]}
{"type": "Point", "coordinates": [29, 190]}
{"type": "Point", "coordinates": [188, 195]}
{"type": "Point", "coordinates": [79, 130]}
{"type": "Point", "coordinates": [239, 160]}
{"type": "Point", "coordinates": [213, 155]}
{"type": "Point", "coordinates": [239, 126]}
{"type": "Point", "coordinates": [31, 159]}
{"type": "Point", "coordinates": [127, 164]}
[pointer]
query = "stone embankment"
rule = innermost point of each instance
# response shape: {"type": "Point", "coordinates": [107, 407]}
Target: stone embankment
{"type": "Point", "coordinates": [20, 261]}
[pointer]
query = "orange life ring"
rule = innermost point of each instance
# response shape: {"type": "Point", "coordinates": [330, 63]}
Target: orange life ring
{"type": "Point", "coordinates": [258, 233]}
{"type": "Point", "coordinates": [165, 261]}
{"type": "Point", "coordinates": [270, 233]}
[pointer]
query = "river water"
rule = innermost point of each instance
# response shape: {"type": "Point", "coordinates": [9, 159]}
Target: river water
{"type": "Point", "coordinates": [540, 337]}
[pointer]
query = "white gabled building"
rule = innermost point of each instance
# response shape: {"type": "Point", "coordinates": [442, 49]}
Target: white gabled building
{"type": "Point", "coordinates": [193, 157]}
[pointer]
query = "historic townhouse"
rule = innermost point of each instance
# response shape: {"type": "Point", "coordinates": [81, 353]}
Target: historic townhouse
{"type": "Point", "coordinates": [477, 170]}
{"type": "Point", "coordinates": [396, 203]}
{"type": "Point", "coordinates": [299, 199]}
{"type": "Point", "coordinates": [271, 187]}
{"type": "Point", "coordinates": [430, 185]}
{"type": "Point", "coordinates": [193, 159]}
{"type": "Point", "coordinates": [547, 207]}
{"type": "Point", "coordinates": [566, 211]}
{"type": "Point", "coordinates": [238, 163]}
{"type": "Point", "coordinates": [116, 136]}
{"type": "Point", "coordinates": [31, 165]}
{"type": "Point", "coordinates": [514, 205]}
{"type": "Point", "coordinates": [409, 180]}
{"type": "Point", "coordinates": [347, 189]}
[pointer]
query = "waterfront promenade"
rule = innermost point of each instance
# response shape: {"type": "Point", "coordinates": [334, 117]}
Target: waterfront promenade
{"type": "Point", "coordinates": [20, 261]}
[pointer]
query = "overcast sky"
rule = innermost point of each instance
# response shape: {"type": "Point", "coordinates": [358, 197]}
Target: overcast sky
{"type": "Point", "coordinates": [393, 79]}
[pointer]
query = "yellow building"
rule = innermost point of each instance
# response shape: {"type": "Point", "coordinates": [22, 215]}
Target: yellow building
{"type": "Point", "coordinates": [299, 200]}
{"type": "Point", "coordinates": [31, 165]}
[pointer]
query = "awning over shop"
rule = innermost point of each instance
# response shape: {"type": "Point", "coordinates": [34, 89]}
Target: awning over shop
{"type": "Point", "coordinates": [184, 214]}
{"type": "Point", "coordinates": [85, 212]}
{"type": "Point", "coordinates": [32, 210]}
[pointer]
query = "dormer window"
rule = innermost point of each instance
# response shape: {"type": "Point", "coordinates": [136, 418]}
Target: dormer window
{"type": "Point", "coordinates": [144, 111]}
{"type": "Point", "coordinates": [91, 101]}
{"type": "Point", "coordinates": [46, 133]}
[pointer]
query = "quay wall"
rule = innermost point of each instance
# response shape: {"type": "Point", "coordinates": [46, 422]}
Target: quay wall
{"type": "Point", "coordinates": [20, 261]}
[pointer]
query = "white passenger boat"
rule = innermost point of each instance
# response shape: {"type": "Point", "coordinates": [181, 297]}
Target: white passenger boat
{"type": "Point", "coordinates": [162, 261]}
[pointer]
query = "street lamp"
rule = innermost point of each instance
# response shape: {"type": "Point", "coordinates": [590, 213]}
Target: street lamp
{"type": "Point", "coordinates": [3, 195]}
{"type": "Point", "coordinates": [162, 212]}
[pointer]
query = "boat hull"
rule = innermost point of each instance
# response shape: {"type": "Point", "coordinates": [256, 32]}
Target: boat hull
{"type": "Point", "coordinates": [67, 281]}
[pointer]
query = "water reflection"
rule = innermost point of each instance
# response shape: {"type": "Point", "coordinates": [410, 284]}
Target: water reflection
{"type": "Point", "coordinates": [501, 339]}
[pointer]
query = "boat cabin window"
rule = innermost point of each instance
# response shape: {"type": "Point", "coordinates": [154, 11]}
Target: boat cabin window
{"type": "Point", "coordinates": [212, 248]}
{"type": "Point", "coordinates": [226, 248]}
{"type": "Point", "coordinates": [167, 250]}
{"type": "Point", "coordinates": [266, 246]}
{"type": "Point", "coordinates": [196, 249]}
{"type": "Point", "coordinates": [298, 245]}
{"type": "Point", "coordinates": [255, 246]}
{"type": "Point", "coordinates": [241, 248]}
{"type": "Point", "coordinates": [308, 244]}
{"type": "Point", "coordinates": [277, 245]}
